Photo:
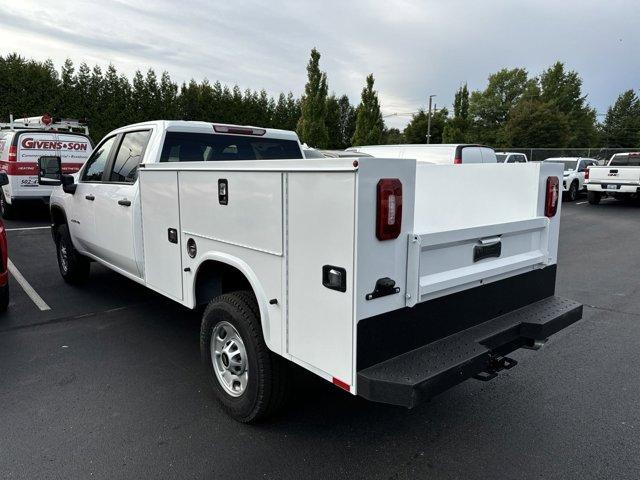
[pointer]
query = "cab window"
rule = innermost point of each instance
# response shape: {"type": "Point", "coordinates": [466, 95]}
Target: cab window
{"type": "Point", "coordinates": [209, 147]}
{"type": "Point", "coordinates": [94, 168]}
{"type": "Point", "coordinates": [129, 156]}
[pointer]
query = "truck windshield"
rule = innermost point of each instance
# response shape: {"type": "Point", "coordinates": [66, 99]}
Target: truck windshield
{"type": "Point", "coordinates": [501, 157]}
{"type": "Point", "coordinates": [625, 159]}
{"type": "Point", "coordinates": [569, 165]}
{"type": "Point", "coordinates": [211, 147]}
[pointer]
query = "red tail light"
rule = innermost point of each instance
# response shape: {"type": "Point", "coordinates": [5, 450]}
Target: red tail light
{"type": "Point", "coordinates": [13, 153]}
{"type": "Point", "coordinates": [389, 209]}
{"type": "Point", "coordinates": [553, 194]}
{"type": "Point", "coordinates": [457, 161]}
{"type": "Point", "coordinates": [586, 174]}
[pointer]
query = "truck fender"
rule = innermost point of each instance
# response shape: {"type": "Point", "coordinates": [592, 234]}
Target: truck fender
{"type": "Point", "coordinates": [251, 277]}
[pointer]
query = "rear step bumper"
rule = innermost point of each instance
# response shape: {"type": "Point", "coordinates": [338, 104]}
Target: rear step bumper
{"type": "Point", "coordinates": [420, 374]}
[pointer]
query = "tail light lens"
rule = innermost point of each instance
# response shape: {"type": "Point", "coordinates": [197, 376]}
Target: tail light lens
{"type": "Point", "coordinates": [553, 195]}
{"type": "Point", "coordinates": [457, 161]}
{"type": "Point", "coordinates": [13, 153]}
{"type": "Point", "coordinates": [389, 209]}
{"type": "Point", "coordinates": [586, 174]}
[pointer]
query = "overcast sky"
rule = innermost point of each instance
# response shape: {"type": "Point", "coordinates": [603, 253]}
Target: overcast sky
{"type": "Point", "coordinates": [413, 48]}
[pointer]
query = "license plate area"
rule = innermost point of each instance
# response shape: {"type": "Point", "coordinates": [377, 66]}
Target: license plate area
{"type": "Point", "coordinates": [610, 186]}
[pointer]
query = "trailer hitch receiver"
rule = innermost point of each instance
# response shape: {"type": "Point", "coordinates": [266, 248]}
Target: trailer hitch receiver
{"type": "Point", "coordinates": [495, 364]}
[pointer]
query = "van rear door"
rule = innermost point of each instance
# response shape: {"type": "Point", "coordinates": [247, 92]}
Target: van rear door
{"type": "Point", "coordinates": [73, 150]}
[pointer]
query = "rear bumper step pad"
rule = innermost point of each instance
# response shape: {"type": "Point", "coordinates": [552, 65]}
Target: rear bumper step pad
{"type": "Point", "coordinates": [420, 374]}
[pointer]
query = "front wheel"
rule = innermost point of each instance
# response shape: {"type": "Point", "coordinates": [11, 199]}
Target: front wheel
{"type": "Point", "coordinates": [74, 267]}
{"type": "Point", "coordinates": [594, 197]}
{"type": "Point", "coordinates": [249, 381]}
{"type": "Point", "coordinates": [572, 194]}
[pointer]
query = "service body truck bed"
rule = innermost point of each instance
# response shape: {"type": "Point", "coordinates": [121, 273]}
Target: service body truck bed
{"type": "Point", "coordinates": [364, 271]}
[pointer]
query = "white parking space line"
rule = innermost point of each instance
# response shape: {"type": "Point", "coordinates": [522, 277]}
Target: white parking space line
{"type": "Point", "coordinates": [28, 289]}
{"type": "Point", "coordinates": [26, 228]}
{"type": "Point", "coordinates": [580, 203]}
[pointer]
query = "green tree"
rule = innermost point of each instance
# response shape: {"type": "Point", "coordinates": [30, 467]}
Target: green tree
{"type": "Point", "coordinates": [489, 109]}
{"type": "Point", "coordinates": [535, 123]}
{"type": "Point", "coordinates": [311, 126]}
{"type": "Point", "coordinates": [456, 129]}
{"type": "Point", "coordinates": [621, 127]}
{"type": "Point", "coordinates": [347, 121]}
{"type": "Point", "coordinates": [564, 90]}
{"type": "Point", "coordinates": [393, 136]}
{"type": "Point", "coordinates": [332, 121]}
{"type": "Point", "coordinates": [369, 122]}
{"type": "Point", "coordinates": [416, 130]}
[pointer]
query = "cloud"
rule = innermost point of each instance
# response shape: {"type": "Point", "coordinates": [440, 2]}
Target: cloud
{"type": "Point", "coordinates": [414, 47]}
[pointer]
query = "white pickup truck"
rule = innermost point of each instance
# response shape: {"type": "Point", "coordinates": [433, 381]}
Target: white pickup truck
{"type": "Point", "coordinates": [391, 278]}
{"type": "Point", "coordinates": [620, 178]}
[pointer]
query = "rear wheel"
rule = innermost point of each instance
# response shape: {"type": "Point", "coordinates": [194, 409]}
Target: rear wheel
{"type": "Point", "coordinates": [594, 197]}
{"type": "Point", "coordinates": [249, 381]}
{"type": "Point", "coordinates": [74, 267]}
{"type": "Point", "coordinates": [6, 209]}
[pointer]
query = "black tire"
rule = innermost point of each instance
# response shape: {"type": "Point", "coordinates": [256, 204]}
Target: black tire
{"type": "Point", "coordinates": [594, 197]}
{"type": "Point", "coordinates": [267, 382]}
{"type": "Point", "coordinates": [73, 266]}
{"type": "Point", "coordinates": [572, 193]}
{"type": "Point", "coordinates": [7, 211]}
{"type": "Point", "coordinates": [4, 297]}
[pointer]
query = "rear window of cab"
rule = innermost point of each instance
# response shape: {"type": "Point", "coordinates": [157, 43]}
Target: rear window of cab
{"type": "Point", "coordinates": [211, 147]}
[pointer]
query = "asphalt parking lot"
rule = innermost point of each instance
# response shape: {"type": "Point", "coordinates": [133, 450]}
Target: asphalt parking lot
{"type": "Point", "coordinates": [107, 383]}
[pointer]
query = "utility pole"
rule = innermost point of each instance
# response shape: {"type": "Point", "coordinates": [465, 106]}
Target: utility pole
{"type": "Point", "coordinates": [429, 120]}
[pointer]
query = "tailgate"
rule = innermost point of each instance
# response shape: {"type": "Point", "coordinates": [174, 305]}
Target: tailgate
{"type": "Point", "coordinates": [614, 175]}
{"type": "Point", "coordinates": [475, 224]}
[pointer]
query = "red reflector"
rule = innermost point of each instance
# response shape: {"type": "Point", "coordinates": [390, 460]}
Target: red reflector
{"type": "Point", "coordinates": [239, 130]}
{"type": "Point", "coordinates": [553, 194]}
{"type": "Point", "coordinates": [457, 161]}
{"type": "Point", "coordinates": [341, 384]}
{"type": "Point", "coordinates": [389, 209]}
{"type": "Point", "coordinates": [13, 153]}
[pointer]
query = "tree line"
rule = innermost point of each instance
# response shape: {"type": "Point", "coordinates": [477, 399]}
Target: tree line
{"type": "Point", "coordinates": [515, 109]}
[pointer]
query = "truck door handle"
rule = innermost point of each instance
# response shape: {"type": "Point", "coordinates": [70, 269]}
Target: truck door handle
{"type": "Point", "coordinates": [90, 197]}
{"type": "Point", "coordinates": [124, 202]}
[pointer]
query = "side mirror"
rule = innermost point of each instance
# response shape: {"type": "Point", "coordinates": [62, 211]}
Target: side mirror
{"type": "Point", "coordinates": [68, 184]}
{"type": "Point", "coordinates": [49, 171]}
{"type": "Point", "coordinates": [4, 179]}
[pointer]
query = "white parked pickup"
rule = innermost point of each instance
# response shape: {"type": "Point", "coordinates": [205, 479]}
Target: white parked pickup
{"type": "Point", "coordinates": [620, 178]}
{"type": "Point", "coordinates": [391, 278]}
{"type": "Point", "coordinates": [573, 178]}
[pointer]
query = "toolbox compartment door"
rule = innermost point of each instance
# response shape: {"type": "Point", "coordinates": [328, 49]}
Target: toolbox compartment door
{"type": "Point", "coordinates": [161, 232]}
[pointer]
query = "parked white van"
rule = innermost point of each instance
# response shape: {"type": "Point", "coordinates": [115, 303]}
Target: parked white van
{"type": "Point", "coordinates": [23, 141]}
{"type": "Point", "coordinates": [440, 153]}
